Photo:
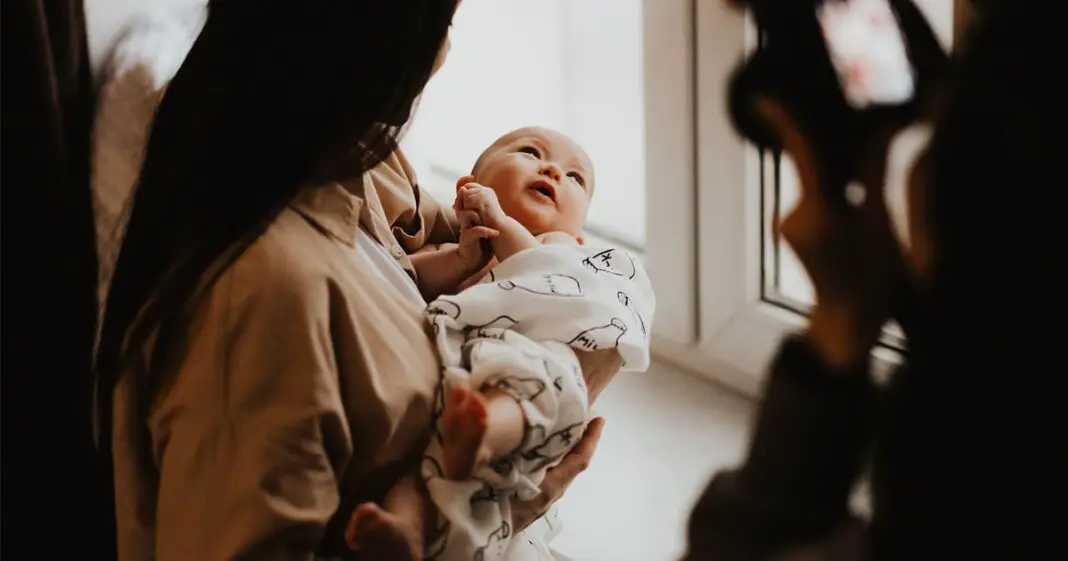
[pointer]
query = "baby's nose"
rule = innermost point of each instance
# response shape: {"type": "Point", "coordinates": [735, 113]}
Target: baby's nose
{"type": "Point", "coordinates": [552, 171]}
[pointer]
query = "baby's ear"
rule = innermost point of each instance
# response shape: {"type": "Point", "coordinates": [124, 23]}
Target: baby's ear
{"type": "Point", "coordinates": [464, 181]}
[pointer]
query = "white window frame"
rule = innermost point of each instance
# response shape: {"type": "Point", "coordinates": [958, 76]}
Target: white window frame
{"type": "Point", "coordinates": [705, 212]}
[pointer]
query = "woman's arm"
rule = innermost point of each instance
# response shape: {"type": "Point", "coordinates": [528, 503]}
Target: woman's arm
{"type": "Point", "coordinates": [443, 270]}
{"type": "Point", "coordinates": [598, 368]}
{"type": "Point", "coordinates": [252, 436]}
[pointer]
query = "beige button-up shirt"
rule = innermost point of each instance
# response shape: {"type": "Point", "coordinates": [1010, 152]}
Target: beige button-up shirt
{"type": "Point", "coordinates": [304, 378]}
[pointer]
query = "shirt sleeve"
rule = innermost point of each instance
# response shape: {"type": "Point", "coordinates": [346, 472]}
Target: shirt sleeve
{"type": "Point", "coordinates": [429, 222]}
{"type": "Point", "coordinates": [439, 221]}
{"type": "Point", "coordinates": [253, 476]}
{"type": "Point", "coordinates": [810, 438]}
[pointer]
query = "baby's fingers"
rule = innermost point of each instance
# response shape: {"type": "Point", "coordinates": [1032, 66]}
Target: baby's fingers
{"type": "Point", "coordinates": [483, 233]}
{"type": "Point", "coordinates": [461, 193]}
{"type": "Point", "coordinates": [472, 192]}
{"type": "Point", "coordinates": [476, 198]}
{"type": "Point", "coordinates": [468, 219]}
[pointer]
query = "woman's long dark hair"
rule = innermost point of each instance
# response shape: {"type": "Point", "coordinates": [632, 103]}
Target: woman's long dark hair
{"type": "Point", "coordinates": [275, 96]}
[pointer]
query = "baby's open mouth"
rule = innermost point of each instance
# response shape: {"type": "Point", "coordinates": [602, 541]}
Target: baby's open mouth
{"type": "Point", "coordinates": [544, 189]}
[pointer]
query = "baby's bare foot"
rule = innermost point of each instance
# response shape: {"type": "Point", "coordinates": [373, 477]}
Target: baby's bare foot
{"type": "Point", "coordinates": [383, 535]}
{"type": "Point", "coordinates": [463, 427]}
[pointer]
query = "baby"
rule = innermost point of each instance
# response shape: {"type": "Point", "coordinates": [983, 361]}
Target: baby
{"type": "Point", "coordinates": [512, 399]}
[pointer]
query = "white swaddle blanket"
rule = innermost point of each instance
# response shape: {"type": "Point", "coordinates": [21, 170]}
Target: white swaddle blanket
{"type": "Point", "coordinates": [516, 331]}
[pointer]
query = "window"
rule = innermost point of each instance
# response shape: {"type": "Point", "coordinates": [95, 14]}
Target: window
{"type": "Point", "coordinates": [105, 20]}
{"type": "Point", "coordinates": [642, 86]}
{"type": "Point", "coordinates": [748, 289]}
{"type": "Point", "coordinates": [572, 65]}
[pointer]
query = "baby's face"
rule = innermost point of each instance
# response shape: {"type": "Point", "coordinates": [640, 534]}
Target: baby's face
{"type": "Point", "coordinates": [542, 178]}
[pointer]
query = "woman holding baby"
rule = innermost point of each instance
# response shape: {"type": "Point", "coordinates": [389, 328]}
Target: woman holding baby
{"type": "Point", "coordinates": [264, 347]}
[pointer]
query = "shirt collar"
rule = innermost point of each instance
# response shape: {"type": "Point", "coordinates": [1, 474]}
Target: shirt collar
{"type": "Point", "coordinates": [334, 208]}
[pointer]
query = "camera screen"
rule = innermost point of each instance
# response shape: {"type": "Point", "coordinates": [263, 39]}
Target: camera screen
{"type": "Point", "coordinates": [868, 51]}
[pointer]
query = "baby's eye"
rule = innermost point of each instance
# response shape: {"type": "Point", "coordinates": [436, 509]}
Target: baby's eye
{"type": "Point", "coordinates": [578, 178]}
{"type": "Point", "coordinates": [531, 150]}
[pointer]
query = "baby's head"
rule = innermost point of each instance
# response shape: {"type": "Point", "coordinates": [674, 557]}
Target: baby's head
{"type": "Point", "coordinates": [542, 178]}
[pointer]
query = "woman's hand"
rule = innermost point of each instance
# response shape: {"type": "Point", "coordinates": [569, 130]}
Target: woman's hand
{"type": "Point", "coordinates": [557, 480]}
{"type": "Point", "coordinates": [851, 255]}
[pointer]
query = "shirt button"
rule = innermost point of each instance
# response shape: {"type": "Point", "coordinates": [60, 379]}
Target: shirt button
{"type": "Point", "coordinates": [397, 251]}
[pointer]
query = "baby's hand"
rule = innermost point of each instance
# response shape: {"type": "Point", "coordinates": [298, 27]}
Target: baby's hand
{"type": "Point", "coordinates": [482, 201]}
{"type": "Point", "coordinates": [474, 248]}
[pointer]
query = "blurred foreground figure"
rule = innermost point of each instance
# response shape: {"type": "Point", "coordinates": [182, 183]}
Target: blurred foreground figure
{"type": "Point", "coordinates": [964, 441]}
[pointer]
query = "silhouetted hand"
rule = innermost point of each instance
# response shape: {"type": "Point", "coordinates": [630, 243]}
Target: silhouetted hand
{"type": "Point", "coordinates": [850, 254]}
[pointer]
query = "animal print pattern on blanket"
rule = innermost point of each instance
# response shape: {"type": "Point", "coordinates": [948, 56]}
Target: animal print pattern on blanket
{"type": "Point", "coordinates": [519, 331]}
